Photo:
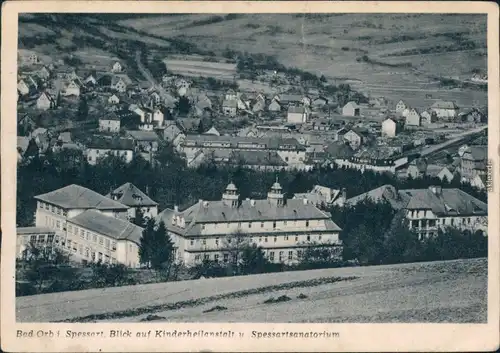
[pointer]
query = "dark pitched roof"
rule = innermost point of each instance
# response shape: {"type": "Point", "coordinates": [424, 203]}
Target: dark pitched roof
{"type": "Point", "coordinates": [444, 105]}
{"type": "Point", "coordinates": [140, 135]}
{"type": "Point", "coordinates": [111, 143]}
{"type": "Point", "coordinates": [447, 202]}
{"type": "Point", "coordinates": [339, 150]}
{"type": "Point", "coordinates": [130, 195]}
{"type": "Point", "coordinates": [261, 158]}
{"type": "Point", "coordinates": [110, 226]}
{"type": "Point", "coordinates": [33, 230]}
{"type": "Point", "coordinates": [76, 196]}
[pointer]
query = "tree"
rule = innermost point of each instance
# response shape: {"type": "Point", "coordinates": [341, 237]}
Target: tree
{"type": "Point", "coordinates": [147, 244]}
{"type": "Point", "coordinates": [401, 244]}
{"type": "Point", "coordinates": [253, 260]}
{"type": "Point", "coordinates": [139, 217]}
{"type": "Point", "coordinates": [183, 106]}
{"type": "Point", "coordinates": [234, 244]}
{"type": "Point", "coordinates": [162, 256]}
{"type": "Point", "coordinates": [105, 275]}
{"type": "Point", "coordinates": [83, 109]}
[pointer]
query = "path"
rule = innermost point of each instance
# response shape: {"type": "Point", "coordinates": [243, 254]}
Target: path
{"type": "Point", "coordinates": [165, 97]}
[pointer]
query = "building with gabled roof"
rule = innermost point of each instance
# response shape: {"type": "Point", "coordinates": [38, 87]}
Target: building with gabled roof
{"type": "Point", "coordinates": [109, 123]}
{"type": "Point", "coordinates": [283, 228]}
{"type": "Point", "coordinates": [322, 196]}
{"type": "Point", "coordinates": [445, 109]}
{"type": "Point", "coordinates": [131, 196]}
{"type": "Point", "coordinates": [474, 162]}
{"type": "Point", "coordinates": [100, 147]}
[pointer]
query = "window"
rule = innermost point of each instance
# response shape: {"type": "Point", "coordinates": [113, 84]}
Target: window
{"type": "Point", "coordinates": [204, 241]}
{"type": "Point", "coordinates": [260, 239]}
{"type": "Point", "coordinates": [197, 257]}
{"type": "Point", "coordinates": [63, 242]}
{"type": "Point", "coordinates": [239, 224]}
{"type": "Point", "coordinates": [40, 204]}
{"type": "Point", "coordinates": [203, 226]}
{"type": "Point", "coordinates": [299, 253]}
{"type": "Point", "coordinates": [452, 221]}
{"type": "Point", "coordinates": [50, 238]}
{"type": "Point", "coordinates": [432, 223]}
{"type": "Point", "coordinates": [94, 238]}
{"type": "Point", "coordinates": [271, 255]}
{"type": "Point", "coordinates": [65, 213]}
{"type": "Point", "coordinates": [281, 255]}
{"type": "Point", "coordinates": [113, 260]}
{"type": "Point", "coordinates": [275, 239]}
{"type": "Point", "coordinates": [87, 252]}
{"type": "Point", "coordinates": [307, 223]}
{"type": "Point", "coordinates": [58, 210]}
{"type": "Point", "coordinates": [69, 243]}
{"type": "Point", "coordinates": [265, 239]}
{"type": "Point", "coordinates": [52, 209]}
{"type": "Point", "coordinates": [76, 231]}
{"type": "Point", "coordinates": [41, 238]}
{"type": "Point", "coordinates": [107, 243]}
{"type": "Point", "coordinates": [88, 236]}
{"type": "Point", "coordinates": [75, 247]}
{"type": "Point", "coordinates": [296, 238]}
{"type": "Point", "coordinates": [46, 206]}
{"type": "Point", "coordinates": [216, 257]}
{"type": "Point", "coordinates": [56, 239]}
{"type": "Point", "coordinates": [33, 238]}
{"type": "Point", "coordinates": [101, 240]}
{"type": "Point", "coordinates": [249, 224]}
{"type": "Point", "coordinates": [216, 241]}
{"type": "Point", "coordinates": [226, 258]}
{"type": "Point", "coordinates": [290, 255]}
{"type": "Point", "coordinates": [262, 224]}
{"type": "Point", "coordinates": [99, 256]}
{"type": "Point", "coordinates": [308, 238]}
{"type": "Point", "coordinates": [106, 259]}
{"type": "Point", "coordinates": [206, 256]}
{"type": "Point", "coordinates": [274, 225]}
{"type": "Point", "coordinates": [58, 224]}
{"type": "Point", "coordinates": [414, 224]}
{"type": "Point", "coordinates": [92, 255]}
{"type": "Point", "coordinates": [192, 242]}
{"type": "Point", "coordinates": [113, 246]}
{"type": "Point", "coordinates": [70, 228]}
{"type": "Point", "coordinates": [468, 220]}
{"type": "Point", "coordinates": [319, 237]}
{"type": "Point", "coordinates": [80, 248]}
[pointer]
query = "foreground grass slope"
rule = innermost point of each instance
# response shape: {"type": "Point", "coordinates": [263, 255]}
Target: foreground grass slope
{"type": "Point", "coordinates": [450, 291]}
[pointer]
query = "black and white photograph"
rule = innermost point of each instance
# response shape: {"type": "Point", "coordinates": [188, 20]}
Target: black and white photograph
{"type": "Point", "coordinates": [257, 168]}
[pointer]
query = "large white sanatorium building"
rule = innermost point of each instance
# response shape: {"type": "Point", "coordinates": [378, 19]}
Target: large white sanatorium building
{"type": "Point", "coordinates": [282, 228]}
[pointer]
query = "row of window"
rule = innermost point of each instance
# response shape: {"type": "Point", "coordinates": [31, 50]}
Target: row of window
{"type": "Point", "coordinates": [52, 208]}
{"type": "Point", "coordinates": [282, 255]}
{"type": "Point", "coordinates": [103, 241]}
{"type": "Point", "coordinates": [40, 238]}
{"type": "Point", "coordinates": [86, 252]}
{"type": "Point", "coordinates": [249, 224]}
{"type": "Point", "coordinates": [433, 222]}
{"type": "Point", "coordinates": [265, 239]}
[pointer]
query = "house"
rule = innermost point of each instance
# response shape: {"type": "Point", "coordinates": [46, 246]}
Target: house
{"type": "Point", "coordinates": [230, 95]}
{"type": "Point", "coordinates": [321, 196]}
{"type": "Point", "coordinates": [23, 88]}
{"type": "Point", "coordinates": [417, 168]}
{"type": "Point", "coordinates": [474, 162]}
{"type": "Point", "coordinates": [109, 123]}
{"type": "Point", "coordinates": [144, 141]}
{"type": "Point", "coordinates": [64, 137]}
{"type": "Point", "coordinates": [322, 125]}
{"type": "Point", "coordinates": [401, 106]}
{"type": "Point", "coordinates": [480, 182]}
{"type": "Point", "coordinates": [71, 89]}
{"type": "Point", "coordinates": [100, 147]}
{"type": "Point", "coordinates": [319, 102]}
{"type": "Point", "coordinates": [390, 127]}
{"type": "Point", "coordinates": [117, 67]}
{"type": "Point", "coordinates": [229, 107]}
{"type": "Point", "coordinates": [274, 106]}
{"type": "Point", "coordinates": [428, 117]}
{"type": "Point", "coordinates": [171, 131]}
{"type": "Point", "coordinates": [130, 195]}
{"type": "Point", "coordinates": [384, 193]}
{"type": "Point", "coordinates": [445, 109]}
{"type": "Point", "coordinates": [43, 73]}
{"type": "Point", "coordinates": [472, 116]}
{"type": "Point", "coordinates": [22, 146]}
{"type": "Point", "coordinates": [118, 84]}
{"type": "Point", "coordinates": [45, 101]}
{"type": "Point", "coordinates": [259, 105]}
{"type": "Point", "coordinates": [430, 209]}
{"type": "Point", "coordinates": [65, 72]}
{"type": "Point", "coordinates": [242, 103]}
{"type": "Point", "coordinates": [290, 99]}
{"type": "Point", "coordinates": [297, 115]}
{"type": "Point", "coordinates": [25, 125]}
{"type": "Point", "coordinates": [284, 230]}
{"type": "Point", "coordinates": [158, 117]}
{"type": "Point", "coordinates": [113, 99]}
{"type": "Point", "coordinates": [413, 118]}
{"type": "Point", "coordinates": [90, 80]}
{"type": "Point", "coordinates": [351, 109]}
{"type": "Point", "coordinates": [42, 236]}
{"type": "Point", "coordinates": [354, 138]}
{"type": "Point", "coordinates": [257, 160]}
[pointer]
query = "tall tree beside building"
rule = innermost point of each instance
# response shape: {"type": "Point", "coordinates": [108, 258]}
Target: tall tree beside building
{"type": "Point", "coordinates": [234, 244]}
{"type": "Point", "coordinates": [147, 244]}
{"type": "Point", "coordinates": [83, 109]}
{"type": "Point", "coordinates": [253, 260]}
{"type": "Point", "coordinates": [139, 218]}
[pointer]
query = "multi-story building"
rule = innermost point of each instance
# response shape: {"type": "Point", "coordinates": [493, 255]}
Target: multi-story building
{"type": "Point", "coordinates": [445, 109]}
{"type": "Point", "coordinates": [284, 229]}
{"type": "Point", "coordinates": [102, 147]}
{"type": "Point", "coordinates": [430, 209]}
{"type": "Point", "coordinates": [130, 195]}
{"type": "Point", "coordinates": [88, 225]}
{"type": "Point", "coordinates": [474, 162]}
{"type": "Point", "coordinates": [289, 149]}
{"type": "Point", "coordinates": [40, 236]}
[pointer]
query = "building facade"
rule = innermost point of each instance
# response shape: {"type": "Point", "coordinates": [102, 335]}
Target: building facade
{"type": "Point", "coordinates": [284, 229]}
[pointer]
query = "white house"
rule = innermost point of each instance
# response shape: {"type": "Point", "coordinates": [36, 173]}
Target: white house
{"type": "Point", "coordinates": [23, 88]}
{"type": "Point", "coordinates": [117, 67]}
{"type": "Point", "coordinates": [351, 109]}
{"type": "Point", "coordinates": [274, 106]}
{"type": "Point", "coordinates": [102, 147]}
{"type": "Point", "coordinates": [113, 99]}
{"type": "Point", "coordinates": [130, 195]}
{"type": "Point", "coordinates": [413, 118]}
{"type": "Point", "coordinates": [390, 128]}
{"type": "Point", "coordinates": [118, 84]}
{"type": "Point", "coordinates": [428, 117]}
{"type": "Point", "coordinates": [401, 106]}
{"type": "Point", "coordinates": [158, 117]}
{"type": "Point", "coordinates": [71, 89]}
{"type": "Point", "coordinates": [45, 101]}
{"type": "Point", "coordinates": [109, 123]}
{"type": "Point", "coordinates": [297, 115]}
{"type": "Point", "coordinates": [445, 109]}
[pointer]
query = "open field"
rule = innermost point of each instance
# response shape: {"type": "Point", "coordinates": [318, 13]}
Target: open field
{"type": "Point", "coordinates": [450, 291]}
{"type": "Point", "coordinates": [221, 71]}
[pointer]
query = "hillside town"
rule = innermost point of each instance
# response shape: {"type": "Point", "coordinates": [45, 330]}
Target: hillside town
{"type": "Point", "coordinates": [300, 129]}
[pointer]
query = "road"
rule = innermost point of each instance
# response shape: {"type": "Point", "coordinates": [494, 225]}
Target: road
{"type": "Point", "coordinates": [457, 138]}
{"type": "Point", "coordinates": [165, 97]}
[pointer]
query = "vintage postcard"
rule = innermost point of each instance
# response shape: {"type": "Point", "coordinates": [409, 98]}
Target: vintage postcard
{"type": "Point", "coordinates": [250, 176]}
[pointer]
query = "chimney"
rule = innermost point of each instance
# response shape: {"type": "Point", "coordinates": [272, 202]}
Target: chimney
{"type": "Point", "coordinates": [344, 194]}
{"type": "Point", "coordinates": [200, 201]}
{"type": "Point", "coordinates": [305, 201]}
{"type": "Point", "coordinates": [252, 203]}
{"type": "Point", "coordinates": [176, 208]}
{"type": "Point", "coordinates": [248, 199]}
{"type": "Point", "coordinates": [436, 190]}
{"type": "Point", "coordinates": [205, 204]}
